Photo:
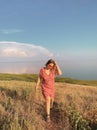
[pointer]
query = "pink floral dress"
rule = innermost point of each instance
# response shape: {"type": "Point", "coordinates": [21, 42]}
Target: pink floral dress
{"type": "Point", "coordinates": [48, 82]}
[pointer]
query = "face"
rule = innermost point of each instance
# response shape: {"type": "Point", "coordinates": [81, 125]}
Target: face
{"type": "Point", "coordinates": [50, 66]}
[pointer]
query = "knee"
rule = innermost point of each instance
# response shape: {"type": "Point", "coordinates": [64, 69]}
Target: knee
{"type": "Point", "coordinates": [47, 99]}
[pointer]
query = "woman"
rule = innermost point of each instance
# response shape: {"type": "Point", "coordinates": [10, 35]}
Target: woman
{"type": "Point", "coordinates": [47, 78]}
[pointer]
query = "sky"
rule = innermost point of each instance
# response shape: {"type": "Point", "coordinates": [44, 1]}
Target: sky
{"type": "Point", "coordinates": [33, 31]}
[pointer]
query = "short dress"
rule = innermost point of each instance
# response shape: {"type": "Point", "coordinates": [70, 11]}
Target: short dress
{"type": "Point", "coordinates": [48, 83]}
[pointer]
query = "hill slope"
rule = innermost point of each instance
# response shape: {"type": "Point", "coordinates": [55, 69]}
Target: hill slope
{"type": "Point", "coordinates": [75, 107]}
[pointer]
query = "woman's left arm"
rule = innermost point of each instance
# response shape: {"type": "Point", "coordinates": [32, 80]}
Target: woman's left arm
{"type": "Point", "coordinates": [58, 70]}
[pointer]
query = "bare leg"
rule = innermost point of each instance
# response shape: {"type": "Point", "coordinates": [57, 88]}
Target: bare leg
{"type": "Point", "coordinates": [48, 99]}
{"type": "Point", "coordinates": [51, 102]}
{"type": "Point", "coordinates": [47, 105]}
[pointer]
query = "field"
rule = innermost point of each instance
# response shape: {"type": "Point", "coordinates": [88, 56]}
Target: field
{"type": "Point", "coordinates": [75, 106]}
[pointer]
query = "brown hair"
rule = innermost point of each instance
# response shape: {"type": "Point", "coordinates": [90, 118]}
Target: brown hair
{"type": "Point", "coordinates": [50, 61]}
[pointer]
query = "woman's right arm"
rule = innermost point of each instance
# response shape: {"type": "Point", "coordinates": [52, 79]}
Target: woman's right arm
{"type": "Point", "coordinates": [37, 83]}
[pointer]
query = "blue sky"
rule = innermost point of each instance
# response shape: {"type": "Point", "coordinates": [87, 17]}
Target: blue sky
{"type": "Point", "coordinates": [65, 30]}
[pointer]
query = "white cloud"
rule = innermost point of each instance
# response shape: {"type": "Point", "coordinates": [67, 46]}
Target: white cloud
{"type": "Point", "coordinates": [21, 50]}
{"type": "Point", "coordinates": [10, 31]}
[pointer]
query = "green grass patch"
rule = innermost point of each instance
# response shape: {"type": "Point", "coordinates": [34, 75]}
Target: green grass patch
{"type": "Point", "coordinates": [33, 78]}
{"type": "Point", "coordinates": [20, 77]}
{"type": "Point", "coordinates": [76, 81]}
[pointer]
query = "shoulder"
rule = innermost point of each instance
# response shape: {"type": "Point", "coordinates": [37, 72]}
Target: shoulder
{"type": "Point", "coordinates": [42, 70]}
{"type": "Point", "coordinates": [41, 73]}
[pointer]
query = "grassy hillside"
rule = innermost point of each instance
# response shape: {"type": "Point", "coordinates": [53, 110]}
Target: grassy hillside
{"type": "Point", "coordinates": [76, 81]}
{"type": "Point", "coordinates": [19, 77]}
{"type": "Point", "coordinates": [75, 107]}
{"type": "Point", "coordinates": [33, 78]}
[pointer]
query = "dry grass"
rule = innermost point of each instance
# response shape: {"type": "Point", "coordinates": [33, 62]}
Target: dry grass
{"type": "Point", "coordinates": [75, 107]}
{"type": "Point", "coordinates": [80, 95]}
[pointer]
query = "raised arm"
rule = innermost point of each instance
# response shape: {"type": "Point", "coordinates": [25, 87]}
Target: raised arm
{"type": "Point", "coordinates": [58, 70]}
